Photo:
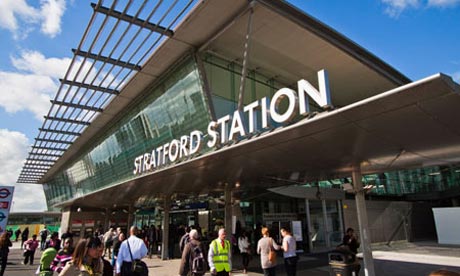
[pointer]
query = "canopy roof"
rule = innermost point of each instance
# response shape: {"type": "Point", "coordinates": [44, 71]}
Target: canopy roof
{"type": "Point", "coordinates": [414, 125]}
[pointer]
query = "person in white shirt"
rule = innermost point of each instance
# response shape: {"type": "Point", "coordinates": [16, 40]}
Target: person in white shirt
{"type": "Point", "coordinates": [245, 249]}
{"type": "Point", "coordinates": [138, 251]}
{"type": "Point", "coordinates": [289, 254]}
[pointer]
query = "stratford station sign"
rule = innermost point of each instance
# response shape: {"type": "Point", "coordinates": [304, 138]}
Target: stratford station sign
{"type": "Point", "coordinates": [241, 124]}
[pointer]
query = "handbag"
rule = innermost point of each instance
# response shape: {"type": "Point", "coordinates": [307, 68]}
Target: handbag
{"type": "Point", "coordinates": [138, 267]}
{"type": "Point", "coordinates": [272, 253]}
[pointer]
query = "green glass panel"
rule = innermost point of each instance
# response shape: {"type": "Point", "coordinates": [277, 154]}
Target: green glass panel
{"type": "Point", "coordinates": [174, 107]}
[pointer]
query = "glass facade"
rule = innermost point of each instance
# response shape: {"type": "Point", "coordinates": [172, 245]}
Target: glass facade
{"type": "Point", "coordinates": [224, 78]}
{"type": "Point", "coordinates": [174, 107]}
{"type": "Point", "coordinates": [404, 182]}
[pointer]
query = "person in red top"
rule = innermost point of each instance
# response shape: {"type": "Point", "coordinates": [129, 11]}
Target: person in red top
{"type": "Point", "coordinates": [30, 245]}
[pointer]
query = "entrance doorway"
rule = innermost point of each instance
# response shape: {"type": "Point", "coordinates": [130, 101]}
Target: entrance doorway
{"type": "Point", "coordinates": [326, 224]}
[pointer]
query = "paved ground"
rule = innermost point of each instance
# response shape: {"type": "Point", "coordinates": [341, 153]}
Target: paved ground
{"type": "Point", "coordinates": [400, 259]}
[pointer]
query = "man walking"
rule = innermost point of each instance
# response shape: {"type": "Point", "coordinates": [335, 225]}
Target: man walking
{"type": "Point", "coordinates": [220, 255]}
{"type": "Point", "coordinates": [130, 250]}
{"type": "Point", "coordinates": [193, 260]}
{"type": "Point", "coordinates": [43, 235]}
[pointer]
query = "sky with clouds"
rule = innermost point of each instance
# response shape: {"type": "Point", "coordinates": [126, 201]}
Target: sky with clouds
{"type": "Point", "coordinates": [417, 37]}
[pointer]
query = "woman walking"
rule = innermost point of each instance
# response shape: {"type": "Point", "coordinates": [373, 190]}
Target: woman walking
{"type": "Point", "coordinates": [5, 244]}
{"type": "Point", "coordinates": [264, 246]}
{"type": "Point", "coordinates": [86, 259]}
{"type": "Point", "coordinates": [289, 252]}
{"type": "Point", "coordinates": [31, 245]}
{"type": "Point", "coordinates": [245, 249]}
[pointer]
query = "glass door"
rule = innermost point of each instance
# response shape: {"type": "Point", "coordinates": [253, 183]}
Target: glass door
{"type": "Point", "coordinates": [334, 222]}
{"type": "Point", "coordinates": [325, 224]}
{"type": "Point", "coordinates": [318, 234]}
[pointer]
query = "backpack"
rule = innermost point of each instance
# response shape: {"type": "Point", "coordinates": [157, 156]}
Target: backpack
{"type": "Point", "coordinates": [198, 263]}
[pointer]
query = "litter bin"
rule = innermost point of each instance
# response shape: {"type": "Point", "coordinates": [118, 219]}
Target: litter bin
{"type": "Point", "coordinates": [343, 263]}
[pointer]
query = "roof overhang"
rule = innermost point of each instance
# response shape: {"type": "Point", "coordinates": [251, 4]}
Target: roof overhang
{"type": "Point", "coordinates": [415, 125]}
{"type": "Point", "coordinates": [287, 45]}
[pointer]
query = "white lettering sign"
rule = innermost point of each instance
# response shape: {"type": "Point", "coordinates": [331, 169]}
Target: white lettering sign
{"type": "Point", "coordinates": [241, 123]}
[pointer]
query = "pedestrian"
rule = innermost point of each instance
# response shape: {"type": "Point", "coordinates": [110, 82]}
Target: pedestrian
{"type": "Point", "coordinates": [31, 245]}
{"type": "Point", "coordinates": [193, 260]}
{"type": "Point", "coordinates": [245, 249]}
{"type": "Point", "coordinates": [116, 246]}
{"type": "Point", "coordinates": [46, 259]}
{"type": "Point", "coordinates": [152, 237]}
{"type": "Point", "coordinates": [67, 235]}
{"type": "Point", "coordinates": [63, 256]}
{"type": "Point", "coordinates": [264, 246]}
{"type": "Point", "coordinates": [184, 239]}
{"type": "Point", "coordinates": [54, 241]}
{"type": "Point", "coordinates": [17, 233]}
{"type": "Point", "coordinates": [5, 244]}
{"type": "Point", "coordinates": [131, 250]}
{"type": "Point", "coordinates": [350, 240]}
{"type": "Point", "coordinates": [24, 236]}
{"type": "Point", "coordinates": [86, 259]}
{"type": "Point", "coordinates": [289, 252]}
{"type": "Point", "coordinates": [43, 235]}
{"type": "Point", "coordinates": [108, 242]}
{"type": "Point", "coordinates": [220, 255]}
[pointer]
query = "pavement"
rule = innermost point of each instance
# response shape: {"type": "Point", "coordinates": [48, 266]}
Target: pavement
{"type": "Point", "coordinates": [398, 259]}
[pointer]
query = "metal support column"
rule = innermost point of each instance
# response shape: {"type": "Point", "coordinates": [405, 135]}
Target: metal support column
{"type": "Point", "coordinates": [165, 241]}
{"type": "Point", "coordinates": [363, 222]}
{"type": "Point", "coordinates": [244, 70]}
{"type": "Point", "coordinates": [107, 219]}
{"type": "Point", "coordinates": [130, 216]}
{"type": "Point", "coordinates": [309, 228]}
{"type": "Point", "coordinates": [228, 209]}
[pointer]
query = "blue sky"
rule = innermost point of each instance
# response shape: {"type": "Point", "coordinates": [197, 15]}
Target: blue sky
{"type": "Point", "coordinates": [417, 37]}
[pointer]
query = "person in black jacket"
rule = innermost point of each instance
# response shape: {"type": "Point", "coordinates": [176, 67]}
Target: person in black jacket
{"type": "Point", "coordinates": [350, 240]}
{"type": "Point", "coordinates": [5, 244]}
{"type": "Point", "coordinates": [24, 236]}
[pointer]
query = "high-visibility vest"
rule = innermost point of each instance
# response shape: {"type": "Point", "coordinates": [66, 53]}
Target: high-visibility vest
{"type": "Point", "coordinates": [220, 257]}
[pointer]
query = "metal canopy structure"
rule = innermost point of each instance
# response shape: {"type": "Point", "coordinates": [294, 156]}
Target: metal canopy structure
{"type": "Point", "coordinates": [119, 38]}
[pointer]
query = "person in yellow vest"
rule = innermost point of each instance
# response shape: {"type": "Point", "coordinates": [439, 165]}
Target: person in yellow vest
{"type": "Point", "coordinates": [220, 255]}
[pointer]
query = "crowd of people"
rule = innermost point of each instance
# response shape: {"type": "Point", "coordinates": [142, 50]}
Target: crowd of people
{"type": "Point", "coordinates": [220, 251]}
{"type": "Point", "coordinates": [113, 252]}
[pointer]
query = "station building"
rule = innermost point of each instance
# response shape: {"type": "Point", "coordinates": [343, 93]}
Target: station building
{"type": "Point", "coordinates": [243, 113]}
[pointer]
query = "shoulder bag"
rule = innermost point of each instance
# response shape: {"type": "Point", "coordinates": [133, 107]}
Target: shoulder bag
{"type": "Point", "coordinates": [272, 253]}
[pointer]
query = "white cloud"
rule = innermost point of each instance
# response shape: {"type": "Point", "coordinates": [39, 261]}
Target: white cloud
{"type": "Point", "coordinates": [36, 63]}
{"type": "Point", "coordinates": [396, 7]}
{"type": "Point", "coordinates": [456, 77]}
{"type": "Point", "coordinates": [52, 11]}
{"type": "Point", "coordinates": [20, 18]}
{"type": "Point", "coordinates": [13, 151]}
{"type": "Point", "coordinates": [26, 92]}
{"type": "Point", "coordinates": [12, 10]}
{"type": "Point", "coordinates": [33, 87]}
{"type": "Point", "coordinates": [443, 3]}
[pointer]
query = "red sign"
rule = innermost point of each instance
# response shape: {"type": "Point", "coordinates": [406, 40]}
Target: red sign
{"type": "Point", "coordinates": [4, 204]}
